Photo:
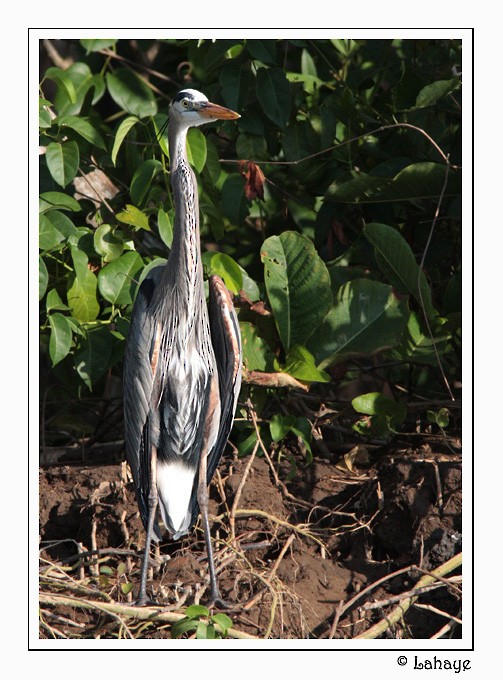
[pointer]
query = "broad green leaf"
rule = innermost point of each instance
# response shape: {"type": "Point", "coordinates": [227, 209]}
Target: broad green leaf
{"type": "Point", "coordinates": [298, 286]}
{"type": "Point", "coordinates": [194, 611]}
{"type": "Point", "coordinates": [366, 317]}
{"type": "Point", "coordinates": [183, 626]}
{"type": "Point", "coordinates": [222, 620]}
{"type": "Point", "coordinates": [43, 278]}
{"type": "Point", "coordinates": [118, 279]}
{"type": "Point", "coordinates": [253, 147]}
{"type": "Point", "coordinates": [307, 65]}
{"type": "Point", "coordinates": [142, 179]}
{"type": "Point", "coordinates": [82, 297]}
{"type": "Point", "coordinates": [263, 50]}
{"type": "Point", "coordinates": [131, 93]}
{"type": "Point", "coordinates": [64, 81]}
{"type": "Point", "coordinates": [54, 228]}
{"type": "Point", "coordinates": [273, 94]}
{"type": "Point", "coordinates": [397, 262]}
{"type": "Point", "coordinates": [93, 354]}
{"type": "Point", "coordinates": [165, 224]}
{"type": "Point", "coordinates": [440, 417]}
{"type": "Point", "coordinates": [228, 269]}
{"type": "Point", "coordinates": [127, 587]}
{"type": "Point", "coordinates": [418, 181]}
{"type": "Point", "coordinates": [257, 355]}
{"type": "Point", "coordinates": [55, 200]}
{"type": "Point", "coordinates": [417, 346]}
{"type": "Point", "coordinates": [280, 425]}
{"type": "Point", "coordinates": [98, 44]}
{"type": "Point", "coordinates": [83, 128]}
{"type": "Point", "coordinates": [83, 81]}
{"type": "Point", "coordinates": [107, 244]}
{"type": "Point", "coordinates": [133, 216]}
{"type": "Point", "coordinates": [61, 337]}
{"type": "Point", "coordinates": [233, 199]}
{"type": "Point", "coordinates": [44, 115]}
{"type": "Point", "coordinates": [376, 403]}
{"type": "Point", "coordinates": [301, 365]}
{"type": "Point", "coordinates": [54, 302]}
{"type": "Point", "coordinates": [430, 94]}
{"type": "Point", "coordinates": [196, 149]}
{"type": "Point", "coordinates": [63, 161]}
{"type": "Point", "coordinates": [121, 133]}
{"type": "Point", "coordinates": [235, 82]}
{"type": "Point", "coordinates": [160, 125]}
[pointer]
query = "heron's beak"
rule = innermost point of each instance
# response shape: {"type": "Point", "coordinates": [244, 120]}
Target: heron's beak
{"type": "Point", "coordinates": [210, 110]}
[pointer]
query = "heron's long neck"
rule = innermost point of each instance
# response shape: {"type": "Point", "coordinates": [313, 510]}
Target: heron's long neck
{"type": "Point", "coordinates": [185, 256]}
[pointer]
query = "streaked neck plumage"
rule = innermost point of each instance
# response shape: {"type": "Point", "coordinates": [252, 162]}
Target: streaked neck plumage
{"type": "Point", "coordinates": [185, 253]}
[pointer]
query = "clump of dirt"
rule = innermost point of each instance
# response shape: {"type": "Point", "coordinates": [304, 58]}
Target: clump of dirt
{"type": "Point", "coordinates": [290, 552]}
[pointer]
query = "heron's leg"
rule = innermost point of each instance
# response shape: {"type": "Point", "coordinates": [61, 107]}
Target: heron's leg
{"type": "Point", "coordinates": [153, 500]}
{"type": "Point", "coordinates": [202, 499]}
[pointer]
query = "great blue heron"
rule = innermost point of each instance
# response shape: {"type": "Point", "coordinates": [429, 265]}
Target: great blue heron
{"type": "Point", "coordinates": [182, 365]}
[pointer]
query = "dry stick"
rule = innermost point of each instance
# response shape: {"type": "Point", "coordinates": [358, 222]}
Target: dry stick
{"type": "Point", "coordinates": [138, 613]}
{"type": "Point", "coordinates": [398, 612]}
{"type": "Point", "coordinates": [244, 512]}
{"type": "Point", "coordinates": [431, 608]}
{"type": "Point", "coordinates": [413, 592]}
{"type": "Point", "coordinates": [232, 516]}
{"type": "Point", "coordinates": [280, 557]}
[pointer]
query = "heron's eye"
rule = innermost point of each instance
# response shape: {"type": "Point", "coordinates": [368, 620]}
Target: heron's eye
{"type": "Point", "coordinates": [185, 103]}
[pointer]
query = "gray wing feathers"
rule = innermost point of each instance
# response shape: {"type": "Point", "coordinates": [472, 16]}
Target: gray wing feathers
{"type": "Point", "coordinates": [226, 340]}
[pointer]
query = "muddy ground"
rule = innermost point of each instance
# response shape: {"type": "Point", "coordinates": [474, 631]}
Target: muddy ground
{"type": "Point", "coordinates": [294, 548]}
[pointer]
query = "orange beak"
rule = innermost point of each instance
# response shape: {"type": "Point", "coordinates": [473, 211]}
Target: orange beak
{"type": "Point", "coordinates": [219, 112]}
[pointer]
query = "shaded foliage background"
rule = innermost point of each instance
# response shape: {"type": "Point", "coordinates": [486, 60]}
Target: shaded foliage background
{"type": "Point", "coordinates": [331, 208]}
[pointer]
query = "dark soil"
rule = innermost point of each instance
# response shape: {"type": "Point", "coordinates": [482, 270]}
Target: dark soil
{"type": "Point", "coordinates": [297, 550]}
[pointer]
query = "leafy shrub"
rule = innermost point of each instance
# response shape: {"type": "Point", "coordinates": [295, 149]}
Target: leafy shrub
{"type": "Point", "coordinates": [332, 206]}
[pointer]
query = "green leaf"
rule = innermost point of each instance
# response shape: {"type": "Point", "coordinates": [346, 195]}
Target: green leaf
{"type": "Point", "coordinates": [184, 626]}
{"type": "Point", "coordinates": [83, 128]}
{"type": "Point", "coordinates": [62, 161]}
{"type": "Point", "coordinates": [301, 365]}
{"type": "Point", "coordinates": [64, 81]}
{"type": "Point", "coordinates": [117, 281]}
{"type": "Point", "coordinates": [98, 44]}
{"type": "Point", "coordinates": [55, 200]}
{"type": "Point", "coordinates": [417, 346]}
{"type": "Point", "coordinates": [107, 244]}
{"type": "Point", "coordinates": [235, 82]}
{"type": "Point", "coordinates": [121, 134]}
{"type": "Point", "coordinates": [196, 149]}
{"type": "Point", "coordinates": [194, 611]}
{"type": "Point", "coordinates": [366, 317]}
{"type": "Point", "coordinates": [397, 262]}
{"type": "Point", "coordinates": [280, 425]}
{"type": "Point", "coordinates": [61, 337]}
{"type": "Point", "coordinates": [44, 115]}
{"type": "Point", "coordinates": [430, 94]}
{"type": "Point", "coordinates": [222, 620]}
{"type": "Point", "coordinates": [233, 199]}
{"type": "Point", "coordinates": [228, 269]}
{"type": "Point", "coordinates": [133, 216]}
{"type": "Point", "coordinates": [93, 354]}
{"type": "Point", "coordinates": [165, 224]}
{"type": "Point", "coordinates": [273, 94]}
{"type": "Point", "coordinates": [131, 93]}
{"type": "Point", "coordinates": [298, 286]}
{"type": "Point", "coordinates": [263, 50]}
{"type": "Point", "coordinates": [440, 417]}
{"type": "Point", "coordinates": [418, 181]}
{"type": "Point", "coordinates": [142, 179]}
{"type": "Point", "coordinates": [127, 587]}
{"type": "Point", "coordinates": [82, 297]}
{"type": "Point", "coordinates": [257, 355]}
{"type": "Point", "coordinates": [53, 301]}
{"type": "Point", "coordinates": [54, 228]}
{"type": "Point", "coordinates": [376, 403]}
{"type": "Point", "coordinates": [43, 278]}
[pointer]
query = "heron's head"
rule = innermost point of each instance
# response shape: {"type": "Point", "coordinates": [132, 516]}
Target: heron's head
{"type": "Point", "coordinates": [191, 108]}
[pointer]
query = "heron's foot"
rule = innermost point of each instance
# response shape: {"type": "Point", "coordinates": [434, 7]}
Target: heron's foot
{"type": "Point", "coordinates": [217, 602]}
{"type": "Point", "coordinates": [144, 601]}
